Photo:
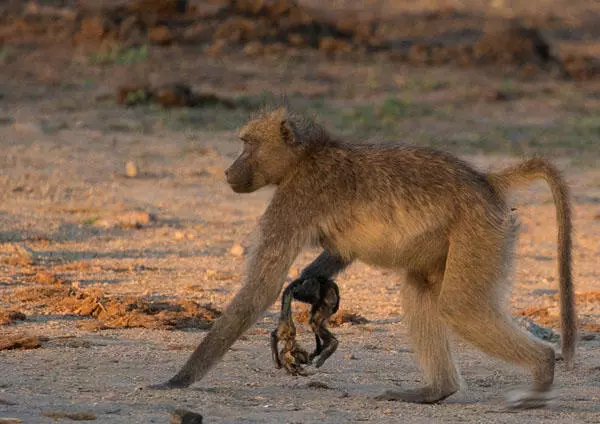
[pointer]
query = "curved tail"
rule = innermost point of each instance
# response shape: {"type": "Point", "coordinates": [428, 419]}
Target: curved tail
{"type": "Point", "coordinates": [520, 175]}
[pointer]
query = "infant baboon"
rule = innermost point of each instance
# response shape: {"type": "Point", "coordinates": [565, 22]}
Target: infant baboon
{"type": "Point", "coordinates": [448, 226]}
{"type": "Point", "coordinates": [324, 296]}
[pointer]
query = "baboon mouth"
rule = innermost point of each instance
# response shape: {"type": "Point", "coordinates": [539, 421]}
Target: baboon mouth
{"type": "Point", "coordinates": [241, 188]}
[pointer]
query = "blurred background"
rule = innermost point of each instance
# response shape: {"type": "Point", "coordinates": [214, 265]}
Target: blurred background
{"type": "Point", "coordinates": [500, 76]}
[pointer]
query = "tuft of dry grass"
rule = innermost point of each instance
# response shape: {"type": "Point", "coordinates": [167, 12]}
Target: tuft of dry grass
{"type": "Point", "coordinates": [55, 296]}
{"type": "Point", "coordinates": [20, 341]}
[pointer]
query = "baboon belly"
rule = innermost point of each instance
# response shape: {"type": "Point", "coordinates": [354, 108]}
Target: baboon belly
{"type": "Point", "coordinates": [401, 249]}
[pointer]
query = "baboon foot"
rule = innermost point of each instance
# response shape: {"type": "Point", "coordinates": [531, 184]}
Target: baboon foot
{"type": "Point", "coordinates": [423, 395]}
{"type": "Point", "coordinates": [528, 398]}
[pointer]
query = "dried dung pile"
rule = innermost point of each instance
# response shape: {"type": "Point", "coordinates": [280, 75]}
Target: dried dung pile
{"type": "Point", "coordinates": [21, 342]}
{"type": "Point", "coordinates": [548, 316]}
{"type": "Point", "coordinates": [113, 311]}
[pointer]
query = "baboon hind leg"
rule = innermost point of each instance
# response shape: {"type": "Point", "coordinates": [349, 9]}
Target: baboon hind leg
{"type": "Point", "coordinates": [471, 303]}
{"type": "Point", "coordinates": [429, 337]}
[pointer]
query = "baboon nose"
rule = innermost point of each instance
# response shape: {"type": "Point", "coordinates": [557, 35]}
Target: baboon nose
{"type": "Point", "coordinates": [227, 173]}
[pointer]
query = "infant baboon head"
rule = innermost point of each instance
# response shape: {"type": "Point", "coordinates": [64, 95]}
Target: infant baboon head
{"type": "Point", "coordinates": [273, 145]}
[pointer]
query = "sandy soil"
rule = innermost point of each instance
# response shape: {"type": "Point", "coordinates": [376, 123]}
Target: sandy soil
{"type": "Point", "coordinates": [64, 145]}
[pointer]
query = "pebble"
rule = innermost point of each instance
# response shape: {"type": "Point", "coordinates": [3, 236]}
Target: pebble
{"type": "Point", "coordinates": [237, 250]}
{"type": "Point", "coordinates": [131, 170]}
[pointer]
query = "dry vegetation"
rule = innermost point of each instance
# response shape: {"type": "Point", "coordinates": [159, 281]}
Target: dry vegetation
{"type": "Point", "coordinates": [120, 243]}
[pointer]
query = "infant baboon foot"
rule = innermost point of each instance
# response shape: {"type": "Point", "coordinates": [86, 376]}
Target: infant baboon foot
{"type": "Point", "coordinates": [292, 360]}
{"type": "Point", "coordinates": [325, 353]}
{"type": "Point", "coordinates": [527, 398]}
{"type": "Point", "coordinates": [424, 395]}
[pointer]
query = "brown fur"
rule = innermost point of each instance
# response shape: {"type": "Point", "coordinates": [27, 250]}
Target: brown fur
{"type": "Point", "coordinates": [448, 226]}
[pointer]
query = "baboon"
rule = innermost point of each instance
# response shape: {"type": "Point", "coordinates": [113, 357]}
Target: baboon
{"type": "Point", "coordinates": [427, 213]}
{"type": "Point", "coordinates": [324, 297]}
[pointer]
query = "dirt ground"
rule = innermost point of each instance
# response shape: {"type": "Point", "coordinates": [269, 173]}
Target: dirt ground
{"type": "Point", "coordinates": [120, 242]}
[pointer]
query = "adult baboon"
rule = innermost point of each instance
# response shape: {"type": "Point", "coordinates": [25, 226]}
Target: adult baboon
{"type": "Point", "coordinates": [448, 226]}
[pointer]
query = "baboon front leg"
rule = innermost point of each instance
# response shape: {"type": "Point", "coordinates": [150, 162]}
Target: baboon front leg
{"type": "Point", "coordinates": [471, 304]}
{"type": "Point", "coordinates": [430, 340]}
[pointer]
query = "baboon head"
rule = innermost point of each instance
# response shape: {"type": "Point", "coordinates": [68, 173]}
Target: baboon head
{"type": "Point", "coordinates": [273, 145]}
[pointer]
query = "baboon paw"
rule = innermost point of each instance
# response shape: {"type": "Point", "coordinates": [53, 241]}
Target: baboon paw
{"type": "Point", "coordinates": [528, 399]}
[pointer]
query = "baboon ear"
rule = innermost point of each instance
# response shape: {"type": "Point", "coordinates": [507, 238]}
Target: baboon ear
{"type": "Point", "coordinates": [288, 135]}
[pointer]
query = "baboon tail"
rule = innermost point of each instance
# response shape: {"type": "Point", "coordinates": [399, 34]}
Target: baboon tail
{"type": "Point", "coordinates": [520, 175]}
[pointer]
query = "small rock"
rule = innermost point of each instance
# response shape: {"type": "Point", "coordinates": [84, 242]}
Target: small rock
{"type": "Point", "coordinates": [538, 331]}
{"type": "Point", "coordinates": [351, 356]}
{"type": "Point", "coordinates": [184, 416]}
{"type": "Point", "coordinates": [237, 250]}
{"type": "Point", "coordinates": [131, 170]}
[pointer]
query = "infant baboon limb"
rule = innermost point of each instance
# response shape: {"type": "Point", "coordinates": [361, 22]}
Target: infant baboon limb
{"type": "Point", "coordinates": [399, 207]}
{"type": "Point", "coordinates": [323, 295]}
